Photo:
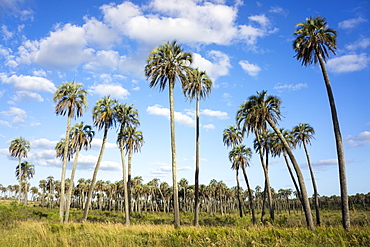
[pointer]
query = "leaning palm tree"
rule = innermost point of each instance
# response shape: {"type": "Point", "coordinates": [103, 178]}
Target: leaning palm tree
{"type": "Point", "coordinates": [167, 64]}
{"type": "Point", "coordinates": [313, 42]}
{"type": "Point", "coordinates": [254, 115]}
{"type": "Point", "coordinates": [70, 99]}
{"type": "Point", "coordinates": [127, 116]}
{"type": "Point", "coordinates": [80, 137]}
{"type": "Point", "coordinates": [303, 134]}
{"type": "Point", "coordinates": [104, 117]}
{"type": "Point", "coordinates": [19, 148]}
{"type": "Point", "coordinates": [198, 86]}
{"type": "Point", "coordinates": [24, 172]}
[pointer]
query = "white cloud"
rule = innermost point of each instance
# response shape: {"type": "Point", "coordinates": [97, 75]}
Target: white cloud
{"type": "Point", "coordinates": [348, 63]}
{"type": "Point", "coordinates": [351, 23]}
{"type": "Point", "coordinates": [27, 96]}
{"type": "Point", "coordinates": [29, 83]}
{"type": "Point", "coordinates": [97, 142]}
{"type": "Point", "coordinates": [251, 69]}
{"type": "Point", "coordinates": [361, 43]}
{"type": "Point", "coordinates": [104, 61]}
{"type": "Point", "coordinates": [217, 114]}
{"type": "Point", "coordinates": [179, 117]}
{"type": "Point", "coordinates": [362, 139]}
{"type": "Point", "coordinates": [43, 143]}
{"type": "Point", "coordinates": [16, 114]}
{"type": "Point", "coordinates": [114, 90]}
{"type": "Point", "coordinates": [208, 126]}
{"type": "Point", "coordinates": [218, 65]}
{"type": "Point", "coordinates": [293, 87]}
{"type": "Point", "coordinates": [99, 34]}
{"type": "Point", "coordinates": [6, 33]}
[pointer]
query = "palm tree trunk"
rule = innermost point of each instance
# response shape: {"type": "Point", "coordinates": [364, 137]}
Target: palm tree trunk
{"type": "Point", "coordinates": [254, 221]}
{"type": "Point", "coordinates": [306, 202]}
{"type": "Point", "coordinates": [292, 176]}
{"type": "Point", "coordinates": [316, 197]}
{"type": "Point", "coordinates": [238, 193]}
{"type": "Point", "coordinates": [174, 165]}
{"type": "Point", "coordinates": [69, 193]}
{"type": "Point", "coordinates": [95, 174]}
{"type": "Point", "coordinates": [339, 144]}
{"type": "Point", "coordinates": [127, 213]}
{"type": "Point", "coordinates": [64, 168]}
{"type": "Point", "coordinates": [197, 154]}
{"type": "Point", "coordinates": [129, 179]}
{"type": "Point", "coordinates": [20, 179]}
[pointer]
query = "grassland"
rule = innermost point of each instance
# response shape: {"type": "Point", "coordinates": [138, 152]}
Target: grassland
{"type": "Point", "coordinates": [35, 226]}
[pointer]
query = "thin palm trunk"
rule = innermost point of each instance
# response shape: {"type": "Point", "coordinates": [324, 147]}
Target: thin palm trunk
{"type": "Point", "coordinates": [20, 179]}
{"type": "Point", "coordinates": [305, 201]}
{"type": "Point", "coordinates": [339, 145]}
{"type": "Point", "coordinates": [95, 174]}
{"type": "Point", "coordinates": [316, 197]}
{"type": "Point", "coordinates": [197, 151]}
{"type": "Point", "coordinates": [129, 179]}
{"type": "Point", "coordinates": [62, 203]}
{"type": "Point", "coordinates": [292, 176]}
{"type": "Point", "coordinates": [254, 221]}
{"type": "Point", "coordinates": [127, 213]}
{"type": "Point", "coordinates": [69, 193]}
{"type": "Point", "coordinates": [174, 165]}
{"type": "Point", "coordinates": [238, 193]}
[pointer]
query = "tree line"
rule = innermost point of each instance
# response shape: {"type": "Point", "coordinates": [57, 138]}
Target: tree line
{"type": "Point", "coordinates": [167, 65]}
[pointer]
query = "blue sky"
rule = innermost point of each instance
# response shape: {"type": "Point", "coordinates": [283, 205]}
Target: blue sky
{"type": "Point", "coordinates": [244, 46]}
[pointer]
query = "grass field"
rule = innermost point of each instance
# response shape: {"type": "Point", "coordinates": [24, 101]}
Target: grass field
{"type": "Point", "coordinates": [35, 226]}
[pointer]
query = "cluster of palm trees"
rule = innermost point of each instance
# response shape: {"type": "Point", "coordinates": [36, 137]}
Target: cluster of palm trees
{"type": "Point", "coordinates": [167, 65]}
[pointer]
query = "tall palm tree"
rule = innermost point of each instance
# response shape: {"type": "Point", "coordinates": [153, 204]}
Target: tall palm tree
{"type": "Point", "coordinates": [198, 86]}
{"type": "Point", "coordinates": [303, 134]}
{"type": "Point", "coordinates": [104, 117]}
{"type": "Point", "coordinates": [70, 99]}
{"type": "Point", "coordinates": [81, 136]}
{"type": "Point", "coordinates": [254, 115]}
{"type": "Point", "coordinates": [232, 136]}
{"type": "Point", "coordinates": [133, 141]}
{"type": "Point", "coordinates": [313, 42]}
{"type": "Point", "coordinates": [25, 172]}
{"type": "Point", "coordinates": [127, 116]}
{"type": "Point", "coordinates": [19, 148]}
{"type": "Point", "coordinates": [167, 64]}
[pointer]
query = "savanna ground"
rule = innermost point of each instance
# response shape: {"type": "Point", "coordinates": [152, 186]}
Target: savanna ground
{"type": "Point", "coordinates": [35, 226]}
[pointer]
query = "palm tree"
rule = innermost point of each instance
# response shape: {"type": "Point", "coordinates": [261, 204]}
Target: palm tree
{"type": "Point", "coordinates": [71, 100]}
{"type": "Point", "coordinates": [19, 148]}
{"type": "Point", "coordinates": [166, 64]}
{"type": "Point", "coordinates": [104, 117]}
{"type": "Point", "coordinates": [80, 137]}
{"type": "Point", "coordinates": [303, 134]}
{"type": "Point", "coordinates": [312, 44]}
{"type": "Point", "coordinates": [254, 114]}
{"type": "Point", "coordinates": [127, 116]}
{"type": "Point", "coordinates": [133, 140]}
{"type": "Point", "coordinates": [198, 86]}
{"type": "Point", "coordinates": [25, 172]}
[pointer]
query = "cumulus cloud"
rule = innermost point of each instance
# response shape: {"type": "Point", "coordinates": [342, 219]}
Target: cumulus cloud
{"type": "Point", "coordinates": [361, 43]}
{"type": "Point", "coordinates": [29, 83]}
{"type": "Point", "coordinates": [351, 23]}
{"type": "Point", "coordinates": [216, 114]}
{"type": "Point", "coordinates": [290, 87]}
{"type": "Point", "coordinates": [362, 139]}
{"type": "Point", "coordinates": [251, 69]}
{"type": "Point", "coordinates": [114, 90]}
{"type": "Point", "coordinates": [104, 61]}
{"type": "Point", "coordinates": [179, 117]}
{"type": "Point", "coordinates": [16, 115]}
{"type": "Point", "coordinates": [208, 126]}
{"type": "Point", "coordinates": [97, 142]}
{"type": "Point", "coordinates": [27, 96]}
{"type": "Point", "coordinates": [218, 65]}
{"type": "Point", "coordinates": [348, 63]}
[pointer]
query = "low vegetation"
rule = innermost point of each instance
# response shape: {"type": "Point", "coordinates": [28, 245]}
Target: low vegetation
{"type": "Point", "coordinates": [36, 226]}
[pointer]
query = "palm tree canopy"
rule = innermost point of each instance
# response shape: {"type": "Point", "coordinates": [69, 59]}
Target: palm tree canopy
{"type": "Point", "coordinates": [71, 99]}
{"type": "Point", "coordinates": [254, 113]}
{"type": "Point", "coordinates": [277, 145]}
{"type": "Point", "coordinates": [240, 156]}
{"type": "Point", "coordinates": [104, 114]}
{"type": "Point", "coordinates": [232, 136]}
{"type": "Point", "coordinates": [127, 115]}
{"type": "Point", "coordinates": [27, 170]}
{"type": "Point", "coordinates": [198, 85]}
{"type": "Point", "coordinates": [303, 133]}
{"type": "Point", "coordinates": [59, 148]}
{"type": "Point", "coordinates": [81, 136]}
{"type": "Point", "coordinates": [132, 139]}
{"type": "Point", "coordinates": [19, 147]}
{"type": "Point", "coordinates": [313, 39]}
{"type": "Point", "coordinates": [166, 63]}
{"type": "Point", "coordinates": [264, 141]}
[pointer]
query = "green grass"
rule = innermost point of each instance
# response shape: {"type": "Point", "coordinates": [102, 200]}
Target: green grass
{"type": "Point", "coordinates": [35, 226]}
